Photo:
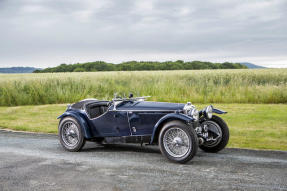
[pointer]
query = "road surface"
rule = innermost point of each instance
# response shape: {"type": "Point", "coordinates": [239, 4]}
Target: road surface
{"type": "Point", "coordinates": [38, 162]}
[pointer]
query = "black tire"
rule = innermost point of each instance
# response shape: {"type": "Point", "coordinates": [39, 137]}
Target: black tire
{"type": "Point", "coordinates": [81, 140]}
{"type": "Point", "coordinates": [225, 136]}
{"type": "Point", "coordinates": [192, 150]}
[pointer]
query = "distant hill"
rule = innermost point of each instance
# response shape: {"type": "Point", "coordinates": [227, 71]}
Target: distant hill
{"type": "Point", "coordinates": [249, 65]}
{"type": "Point", "coordinates": [18, 70]}
{"type": "Point", "coordinates": [140, 66]}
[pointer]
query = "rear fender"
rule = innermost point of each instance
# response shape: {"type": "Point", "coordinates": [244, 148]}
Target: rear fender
{"type": "Point", "coordinates": [168, 117]}
{"type": "Point", "coordinates": [80, 119]}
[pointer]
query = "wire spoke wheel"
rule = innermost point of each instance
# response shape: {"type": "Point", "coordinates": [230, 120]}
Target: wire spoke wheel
{"type": "Point", "coordinates": [176, 142]}
{"type": "Point", "coordinates": [218, 135]}
{"type": "Point", "coordinates": [70, 134]}
{"type": "Point", "coordinates": [214, 134]}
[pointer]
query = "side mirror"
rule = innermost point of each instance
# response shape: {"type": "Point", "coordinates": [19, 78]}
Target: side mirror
{"type": "Point", "coordinates": [131, 95]}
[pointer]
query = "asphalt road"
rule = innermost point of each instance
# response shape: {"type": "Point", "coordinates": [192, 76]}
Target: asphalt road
{"type": "Point", "coordinates": [38, 162]}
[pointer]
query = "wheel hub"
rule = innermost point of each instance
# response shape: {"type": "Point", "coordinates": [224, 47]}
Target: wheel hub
{"type": "Point", "coordinates": [72, 133]}
{"type": "Point", "coordinates": [177, 141]}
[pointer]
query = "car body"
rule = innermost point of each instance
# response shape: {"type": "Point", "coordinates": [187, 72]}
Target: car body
{"type": "Point", "coordinates": [134, 120]}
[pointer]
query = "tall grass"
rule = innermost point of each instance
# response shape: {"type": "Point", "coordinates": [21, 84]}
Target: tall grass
{"type": "Point", "coordinates": [197, 86]}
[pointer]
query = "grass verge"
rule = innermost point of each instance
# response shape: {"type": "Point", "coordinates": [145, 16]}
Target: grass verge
{"type": "Point", "coordinates": [255, 126]}
{"type": "Point", "coordinates": [201, 86]}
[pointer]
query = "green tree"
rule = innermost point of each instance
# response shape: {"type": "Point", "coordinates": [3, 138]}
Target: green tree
{"type": "Point", "coordinates": [79, 70]}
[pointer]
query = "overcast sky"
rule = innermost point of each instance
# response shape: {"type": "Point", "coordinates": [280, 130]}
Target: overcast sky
{"type": "Point", "coordinates": [46, 33]}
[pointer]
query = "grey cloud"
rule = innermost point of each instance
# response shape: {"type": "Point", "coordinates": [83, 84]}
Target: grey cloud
{"type": "Point", "coordinates": [50, 32]}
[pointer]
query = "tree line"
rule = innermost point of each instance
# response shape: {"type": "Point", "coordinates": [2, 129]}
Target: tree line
{"type": "Point", "coordinates": [139, 66]}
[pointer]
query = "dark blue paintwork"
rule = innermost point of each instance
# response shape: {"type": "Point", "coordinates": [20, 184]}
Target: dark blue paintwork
{"type": "Point", "coordinates": [150, 106]}
{"type": "Point", "coordinates": [218, 111]}
{"type": "Point", "coordinates": [131, 118]}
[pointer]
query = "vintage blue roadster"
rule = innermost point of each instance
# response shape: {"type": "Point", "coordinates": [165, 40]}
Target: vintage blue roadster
{"type": "Point", "coordinates": [178, 129]}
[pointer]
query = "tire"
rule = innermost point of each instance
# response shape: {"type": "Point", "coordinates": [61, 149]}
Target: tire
{"type": "Point", "coordinates": [71, 125]}
{"type": "Point", "coordinates": [185, 132]}
{"type": "Point", "coordinates": [225, 136]}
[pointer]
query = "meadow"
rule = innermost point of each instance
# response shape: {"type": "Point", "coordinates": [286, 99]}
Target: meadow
{"type": "Point", "coordinates": [255, 126]}
{"type": "Point", "coordinates": [198, 86]}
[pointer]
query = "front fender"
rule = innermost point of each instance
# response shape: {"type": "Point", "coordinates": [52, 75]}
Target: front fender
{"type": "Point", "coordinates": [218, 111]}
{"type": "Point", "coordinates": [81, 120]}
{"type": "Point", "coordinates": [214, 110]}
{"type": "Point", "coordinates": [173, 116]}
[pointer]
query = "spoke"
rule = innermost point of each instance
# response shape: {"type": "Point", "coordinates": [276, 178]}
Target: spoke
{"type": "Point", "coordinates": [70, 134]}
{"type": "Point", "coordinates": [176, 142]}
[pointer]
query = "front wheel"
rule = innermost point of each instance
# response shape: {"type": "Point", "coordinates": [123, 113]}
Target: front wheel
{"type": "Point", "coordinates": [218, 135]}
{"type": "Point", "coordinates": [70, 134]}
{"type": "Point", "coordinates": [178, 142]}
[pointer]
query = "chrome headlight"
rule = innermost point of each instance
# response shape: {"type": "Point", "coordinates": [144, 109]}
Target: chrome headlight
{"type": "Point", "coordinates": [190, 110]}
{"type": "Point", "coordinates": [208, 112]}
{"type": "Point", "coordinates": [194, 114]}
{"type": "Point", "coordinates": [187, 107]}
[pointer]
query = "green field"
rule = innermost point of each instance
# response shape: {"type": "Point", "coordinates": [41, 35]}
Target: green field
{"type": "Point", "coordinates": [198, 86]}
{"type": "Point", "coordinates": [256, 126]}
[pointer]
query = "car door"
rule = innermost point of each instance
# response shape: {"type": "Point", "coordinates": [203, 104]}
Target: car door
{"type": "Point", "coordinates": [112, 123]}
{"type": "Point", "coordinates": [143, 122]}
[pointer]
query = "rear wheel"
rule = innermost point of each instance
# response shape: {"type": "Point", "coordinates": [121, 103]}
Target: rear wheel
{"type": "Point", "coordinates": [178, 142]}
{"type": "Point", "coordinates": [218, 133]}
{"type": "Point", "coordinates": [70, 134]}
